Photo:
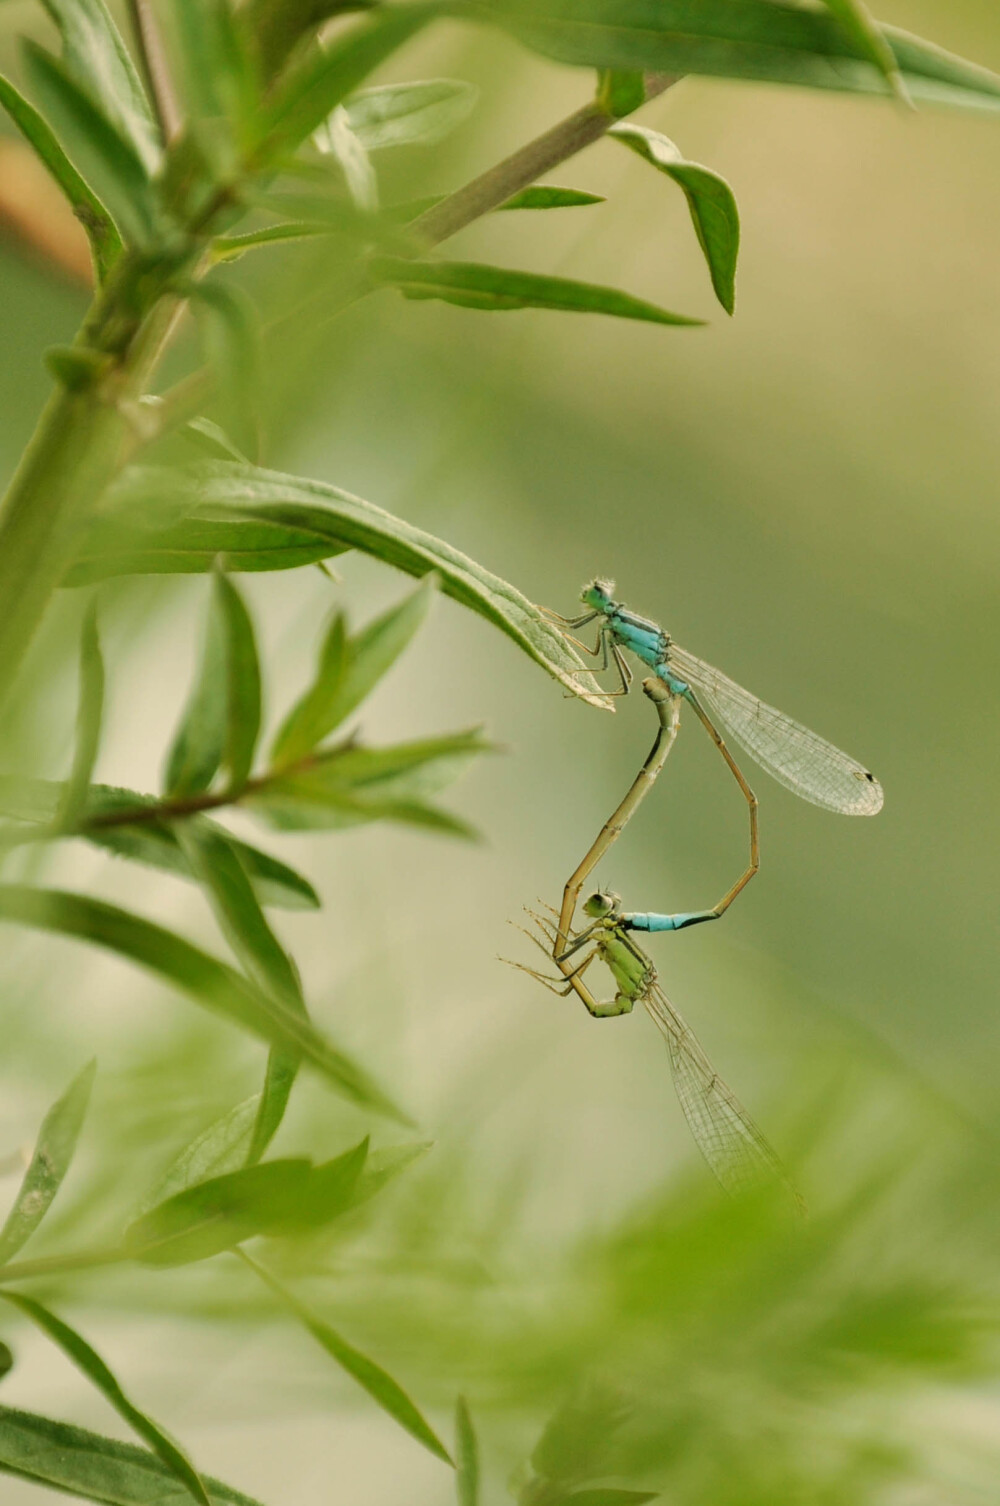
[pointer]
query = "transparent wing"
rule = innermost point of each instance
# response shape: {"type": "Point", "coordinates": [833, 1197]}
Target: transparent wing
{"type": "Point", "coordinates": [727, 1137]}
{"type": "Point", "coordinates": [796, 757]}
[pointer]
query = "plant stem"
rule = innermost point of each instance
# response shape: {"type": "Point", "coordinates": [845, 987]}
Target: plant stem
{"type": "Point", "coordinates": [57, 1265]}
{"type": "Point", "coordinates": [83, 436]}
{"type": "Point", "coordinates": [523, 167]}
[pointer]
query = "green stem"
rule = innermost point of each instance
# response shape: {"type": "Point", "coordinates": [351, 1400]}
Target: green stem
{"type": "Point", "coordinates": [58, 1265]}
{"type": "Point", "coordinates": [524, 167]}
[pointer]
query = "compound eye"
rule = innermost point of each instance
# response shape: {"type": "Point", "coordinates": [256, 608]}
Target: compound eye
{"type": "Point", "coordinates": [599, 905]}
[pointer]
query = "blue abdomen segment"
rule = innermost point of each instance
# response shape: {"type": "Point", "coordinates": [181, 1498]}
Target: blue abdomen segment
{"type": "Point", "coordinates": [647, 922]}
{"type": "Point", "coordinates": [676, 686]}
{"type": "Point", "coordinates": [643, 638]}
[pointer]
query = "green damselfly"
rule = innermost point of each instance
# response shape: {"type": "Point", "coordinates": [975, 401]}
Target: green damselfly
{"type": "Point", "coordinates": [739, 1155]}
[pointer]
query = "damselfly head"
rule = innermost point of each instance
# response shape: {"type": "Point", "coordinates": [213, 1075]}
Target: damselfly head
{"type": "Point", "coordinates": [599, 594]}
{"type": "Point", "coordinates": [605, 902]}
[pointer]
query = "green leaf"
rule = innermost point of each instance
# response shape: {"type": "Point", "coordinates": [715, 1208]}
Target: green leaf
{"type": "Point", "coordinates": [279, 1079]}
{"type": "Point", "coordinates": [97, 57]}
{"type": "Point", "coordinates": [212, 439]}
{"type": "Point", "coordinates": [225, 539]}
{"type": "Point", "coordinates": [353, 785]}
{"type": "Point", "coordinates": [229, 329]}
{"type": "Point", "coordinates": [88, 724]}
{"type": "Point", "coordinates": [242, 686]}
{"type": "Point", "coordinates": [222, 718]}
{"type": "Point", "coordinates": [477, 286]}
{"type": "Point", "coordinates": [216, 76]}
{"type": "Point", "coordinates": [309, 91]}
{"type": "Point", "coordinates": [86, 1359]}
{"type": "Point", "coordinates": [336, 139]}
{"type": "Point", "coordinates": [383, 1166]}
{"type": "Point", "coordinates": [466, 1456]}
{"type": "Point", "coordinates": [329, 514]}
{"type": "Point", "coordinates": [605, 1496]}
{"type": "Point", "coordinates": [102, 232]}
{"type": "Point", "coordinates": [226, 248]}
{"type": "Point", "coordinates": [275, 26]}
{"type": "Point", "coordinates": [149, 840]}
{"type": "Point", "coordinates": [276, 1199]}
{"type": "Point", "coordinates": [106, 159]}
{"type": "Point", "coordinates": [753, 39]}
{"type": "Point", "coordinates": [6, 1364]}
{"type": "Point", "coordinates": [710, 199]}
{"type": "Point", "coordinates": [380, 1386]}
{"type": "Point", "coordinates": [404, 114]}
{"type": "Point", "coordinates": [859, 24]}
{"type": "Point", "coordinates": [196, 754]}
{"type": "Point", "coordinates": [620, 93]}
{"type": "Point", "coordinates": [49, 1164]}
{"type": "Point", "coordinates": [218, 867]}
{"type": "Point", "coordinates": [548, 196]}
{"type": "Point", "coordinates": [349, 669]}
{"type": "Point", "coordinates": [81, 1463]}
{"type": "Point", "coordinates": [202, 977]}
{"type": "Point", "coordinates": [220, 1148]}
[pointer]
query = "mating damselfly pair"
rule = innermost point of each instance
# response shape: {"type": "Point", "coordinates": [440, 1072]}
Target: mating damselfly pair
{"type": "Point", "coordinates": [735, 1149]}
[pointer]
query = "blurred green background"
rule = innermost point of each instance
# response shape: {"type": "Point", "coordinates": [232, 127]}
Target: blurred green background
{"type": "Point", "coordinates": [804, 495]}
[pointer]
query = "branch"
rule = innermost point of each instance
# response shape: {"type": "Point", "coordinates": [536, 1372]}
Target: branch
{"type": "Point", "coordinates": [483, 194]}
{"type": "Point", "coordinates": [524, 167]}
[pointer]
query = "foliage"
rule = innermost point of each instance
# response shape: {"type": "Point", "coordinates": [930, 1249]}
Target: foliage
{"type": "Point", "coordinates": [254, 128]}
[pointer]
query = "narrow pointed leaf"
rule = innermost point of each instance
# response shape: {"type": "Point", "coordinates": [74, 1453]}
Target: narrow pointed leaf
{"type": "Point", "coordinates": [102, 232]}
{"type": "Point", "coordinates": [80, 1463]}
{"type": "Point", "coordinates": [309, 91]}
{"type": "Point", "coordinates": [76, 1348]}
{"type": "Point", "coordinates": [90, 710]}
{"type": "Point", "coordinates": [402, 114]}
{"type": "Point", "coordinates": [49, 1164]}
{"type": "Point", "coordinates": [106, 159]}
{"type": "Point", "coordinates": [196, 755]}
{"type": "Point", "coordinates": [220, 538]}
{"type": "Point", "coordinates": [277, 1199]}
{"type": "Point", "coordinates": [243, 696]}
{"type": "Point", "coordinates": [383, 1166]}
{"type": "Point", "coordinates": [750, 39]}
{"type": "Point", "coordinates": [466, 1456]}
{"type": "Point", "coordinates": [222, 719]}
{"type": "Point", "coordinates": [349, 669]}
{"type": "Point", "coordinates": [34, 802]}
{"type": "Point", "coordinates": [549, 196]}
{"type": "Point", "coordinates": [241, 919]}
{"type": "Point", "coordinates": [389, 1395]}
{"type": "Point", "coordinates": [95, 54]}
{"type": "Point", "coordinates": [351, 785]}
{"type": "Point", "coordinates": [215, 73]}
{"type": "Point", "coordinates": [857, 20]}
{"type": "Point", "coordinates": [475, 285]}
{"type": "Point", "coordinates": [212, 439]}
{"type": "Point", "coordinates": [196, 973]}
{"type": "Point", "coordinates": [219, 1149]}
{"type": "Point", "coordinates": [336, 139]}
{"type": "Point", "coordinates": [279, 1079]}
{"type": "Point", "coordinates": [231, 247]}
{"type": "Point", "coordinates": [237, 910]}
{"type": "Point", "coordinates": [331, 514]}
{"type": "Point", "coordinates": [605, 1496]}
{"type": "Point", "coordinates": [710, 199]}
